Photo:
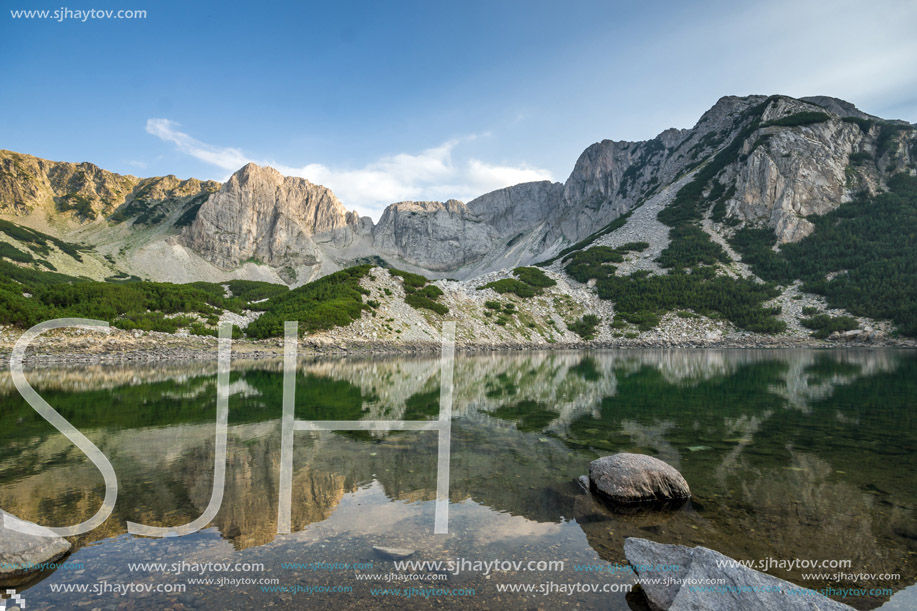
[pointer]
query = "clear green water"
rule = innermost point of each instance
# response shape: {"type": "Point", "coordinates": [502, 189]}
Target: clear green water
{"type": "Point", "coordinates": [789, 454]}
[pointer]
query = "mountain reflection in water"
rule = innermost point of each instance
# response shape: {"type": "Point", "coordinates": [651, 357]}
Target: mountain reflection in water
{"type": "Point", "coordinates": [789, 454]}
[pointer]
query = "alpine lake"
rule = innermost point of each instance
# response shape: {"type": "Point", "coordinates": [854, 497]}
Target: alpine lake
{"type": "Point", "coordinates": [790, 454]}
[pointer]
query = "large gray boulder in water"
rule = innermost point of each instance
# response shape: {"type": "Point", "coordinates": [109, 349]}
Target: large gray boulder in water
{"type": "Point", "coordinates": [742, 588]}
{"type": "Point", "coordinates": [22, 554]}
{"type": "Point", "coordinates": [637, 478]}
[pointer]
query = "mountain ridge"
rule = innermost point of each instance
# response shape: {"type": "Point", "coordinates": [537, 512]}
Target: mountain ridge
{"type": "Point", "coordinates": [300, 231]}
{"type": "Point", "coordinates": [741, 224]}
{"type": "Point", "coordinates": [773, 221]}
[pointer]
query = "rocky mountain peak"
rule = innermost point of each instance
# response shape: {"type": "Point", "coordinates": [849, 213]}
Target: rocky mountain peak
{"type": "Point", "coordinates": [672, 137]}
{"type": "Point", "coordinates": [837, 106]}
{"type": "Point", "coordinates": [263, 216]}
{"type": "Point", "coordinates": [252, 171]}
{"type": "Point", "coordinates": [788, 159]}
{"type": "Point", "coordinates": [726, 110]}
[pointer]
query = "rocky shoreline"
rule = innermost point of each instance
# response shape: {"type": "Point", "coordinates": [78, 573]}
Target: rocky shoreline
{"type": "Point", "coordinates": [162, 347]}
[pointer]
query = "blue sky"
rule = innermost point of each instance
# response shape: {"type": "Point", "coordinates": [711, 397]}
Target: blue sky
{"type": "Point", "coordinates": [385, 101]}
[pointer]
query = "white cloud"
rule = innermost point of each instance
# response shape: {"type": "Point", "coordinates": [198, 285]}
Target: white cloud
{"type": "Point", "coordinates": [490, 177]}
{"type": "Point", "coordinates": [226, 158]}
{"type": "Point", "coordinates": [430, 174]}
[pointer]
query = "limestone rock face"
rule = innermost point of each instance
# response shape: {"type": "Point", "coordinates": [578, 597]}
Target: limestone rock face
{"type": "Point", "coordinates": [745, 589]}
{"type": "Point", "coordinates": [637, 478]}
{"type": "Point", "coordinates": [503, 228]}
{"type": "Point", "coordinates": [786, 173]}
{"type": "Point", "coordinates": [794, 173]}
{"type": "Point", "coordinates": [433, 235]}
{"type": "Point", "coordinates": [592, 194]}
{"type": "Point", "coordinates": [261, 215]}
{"type": "Point", "coordinates": [518, 208]}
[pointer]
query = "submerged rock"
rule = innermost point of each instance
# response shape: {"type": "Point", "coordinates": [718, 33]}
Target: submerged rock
{"type": "Point", "coordinates": [395, 553]}
{"type": "Point", "coordinates": [637, 478]}
{"type": "Point", "coordinates": [22, 554]}
{"type": "Point", "coordinates": [743, 588]}
{"type": "Point", "coordinates": [588, 508]}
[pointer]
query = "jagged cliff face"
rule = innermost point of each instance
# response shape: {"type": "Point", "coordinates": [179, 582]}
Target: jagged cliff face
{"type": "Point", "coordinates": [613, 177]}
{"type": "Point", "coordinates": [262, 215]}
{"type": "Point", "coordinates": [433, 235]}
{"type": "Point", "coordinates": [259, 215]}
{"type": "Point", "coordinates": [783, 174]}
{"type": "Point", "coordinates": [792, 173]}
{"type": "Point", "coordinates": [777, 174]}
{"type": "Point", "coordinates": [85, 191]}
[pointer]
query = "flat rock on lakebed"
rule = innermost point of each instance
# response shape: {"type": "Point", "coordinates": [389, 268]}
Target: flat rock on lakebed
{"type": "Point", "coordinates": [742, 589]}
{"type": "Point", "coordinates": [23, 553]}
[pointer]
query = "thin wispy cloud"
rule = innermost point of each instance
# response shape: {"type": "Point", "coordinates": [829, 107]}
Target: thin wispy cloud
{"type": "Point", "coordinates": [222, 157]}
{"type": "Point", "coordinates": [432, 174]}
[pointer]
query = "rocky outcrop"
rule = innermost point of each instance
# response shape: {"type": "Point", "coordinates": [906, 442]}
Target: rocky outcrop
{"type": "Point", "coordinates": [84, 190]}
{"type": "Point", "coordinates": [518, 208]}
{"type": "Point", "coordinates": [433, 235]}
{"type": "Point", "coordinates": [785, 173]}
{"type": "Point", "coordinates": [597, 189]}
{"type": "Point", "coordinates": [22, 554]}
{"type": "Point", "coordinates": [841, 108]}
{"type": "Point", "coordinates": [261, 215]}
{"type": "Point", "coordinates": [637, 478]}
{"type": "Point", "coordinates": [742, 589]}
{"type": "Point", "coordinates": [791, 173]}
{"type": "Point", "coordinates": [504, 228]}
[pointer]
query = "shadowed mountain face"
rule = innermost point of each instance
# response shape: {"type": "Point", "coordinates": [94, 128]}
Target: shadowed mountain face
{"type": "Point", "coordinates": [803, 454]}
{"type": "Point", "coordinates": [778, 161]}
